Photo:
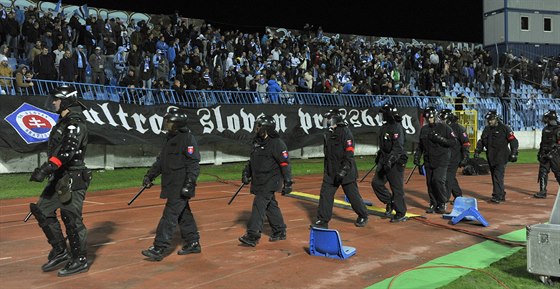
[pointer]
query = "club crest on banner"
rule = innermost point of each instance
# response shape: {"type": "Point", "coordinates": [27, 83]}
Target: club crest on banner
{"type": "Point", "coordinates": [32, 123]}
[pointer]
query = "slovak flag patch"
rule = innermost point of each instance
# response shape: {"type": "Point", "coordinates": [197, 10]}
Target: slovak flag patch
{"type": "Point", "coordinates": [395, 136]}
{"type": "Point", "coordinates": [465, 135]}
{"type": "Point", "coordinates": [285, 154]}
{"type": "Point", "coordinates": [349, 142]}
{"type": "Point", "coordinates": [190, 150]}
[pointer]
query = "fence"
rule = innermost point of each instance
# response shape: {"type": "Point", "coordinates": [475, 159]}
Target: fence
{"type": "Point", "coordinates": [521, 113]}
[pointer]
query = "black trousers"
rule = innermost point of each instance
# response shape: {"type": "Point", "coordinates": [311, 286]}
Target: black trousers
{"type": "Point", "coordinates": [265, 204]}
{"type": "Point", "coordinates": [326, 200]}
{"type": "Point", "coordinates": [436, 179]}
{"type": "Point", "coordinates": [176, 211]}
{"type": "Point", "coordinates": [395, 177]}
{"type": "Point", "coordinates": [545, 168]}
{"type": "Point", "coordinates": [451, 181]}
{"type": "Point", "coordinates": [497, 172]}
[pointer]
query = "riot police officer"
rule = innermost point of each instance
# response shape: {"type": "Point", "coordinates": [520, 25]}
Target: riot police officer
{"type": "Point", "coordinates": [67, 185]}
{"type": "Point", "coordinates": [459, 153]}
{"type": "Point", "coordinates": [339, 170]}
{"type": "Point", "coordinates": [549, 152]}
{"type": "Point", "coordinates": [178, 164]}
{"type": "Point", "coordinates": [268, 170]}
{"type": "Point", "coordinates": [436, 138]}
{"type": "Point", "coordinates": [391, 160]}
{"type": "Point", "coordinates": [501, 146]}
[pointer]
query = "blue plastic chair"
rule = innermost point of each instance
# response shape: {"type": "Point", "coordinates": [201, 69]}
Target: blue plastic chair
{"type": "Point", "coordinates": [327, 243]}
{"type": "Point", "coordinates": [460, 205]}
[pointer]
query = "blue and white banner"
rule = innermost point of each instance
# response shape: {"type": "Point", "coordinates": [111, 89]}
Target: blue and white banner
{"type": "Point", "coordinates": [32, 123]}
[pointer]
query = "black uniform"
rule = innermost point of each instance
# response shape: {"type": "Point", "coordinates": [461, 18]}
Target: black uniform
{"type": "Point", "coordinates": [498, 140]}
{"type": "Point", "coordinates": [270, 169]}
{"type": "Point", "coordinates": [178, 164]}
{"type": "Point", "coordinates": [549, 156]}
{"type": "Point", "coordinates": [435, 142]}
{"type": "Point", "coordinates": [391, 161]}
{"type": "Point", "coordinates": [459, 156]}
{"type": "Point", "coordinates": [339, 170]}
{"type": "Point", "coordinates": [66, 191]}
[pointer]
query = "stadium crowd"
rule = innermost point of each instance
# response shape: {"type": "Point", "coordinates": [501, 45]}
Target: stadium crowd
{"type": "Point", "coordinates": [170, 54]}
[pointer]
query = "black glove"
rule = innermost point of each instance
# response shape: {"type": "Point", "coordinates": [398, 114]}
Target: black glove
{"type": "Point", "coordinates": [39, 174]}
{"type": "Point", "coordinates": [464, 162]}
{"type": "Point", "coordinates": [246, 176]}
{"type": "Point", "coordinates": [417, 159]}
{"type": "Point", "coordinates": [513, 157]}
{"type": "Point", "coordinates": [188, 189]}
{"type": "Point", "coordinates": [147, 182]}
{"type": "Point", "coordinates": [287, 189]}
{"type": "Point", "coordinates": [476, 155]}
{"type": "Point", "coordinates": [339, 177]}
{"type": "Point", "coordinates": [391, 160]}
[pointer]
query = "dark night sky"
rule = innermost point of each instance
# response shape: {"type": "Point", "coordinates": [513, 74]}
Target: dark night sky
{"type": "Point", "coordinates": [457, 20]}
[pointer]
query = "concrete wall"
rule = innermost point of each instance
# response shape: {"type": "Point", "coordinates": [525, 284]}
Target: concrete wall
{"type": "Point", "coordinates": [111, 157]}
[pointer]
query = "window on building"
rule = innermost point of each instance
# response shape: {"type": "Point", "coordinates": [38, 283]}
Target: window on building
{"type": "Point", "coordinates": [547, 24]}
{"type": "Point", "coordinates": [525, 23]}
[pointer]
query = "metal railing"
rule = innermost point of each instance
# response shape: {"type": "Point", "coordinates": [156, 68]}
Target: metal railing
{"type": "Point", "coordinates": [515, 111]}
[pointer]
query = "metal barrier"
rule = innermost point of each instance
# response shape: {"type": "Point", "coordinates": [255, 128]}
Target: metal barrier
{"type": "Point", "coordinates": [515, 111]}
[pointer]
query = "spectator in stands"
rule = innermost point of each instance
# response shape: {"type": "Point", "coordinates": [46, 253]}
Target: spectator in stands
{"type": "Point", "coordinates": [160, 64]}
{"type": "Point", "coordinates": [273, 89]}
{"type": "Point", "coordinates": [129, 79]}
{"type": "Point", "coordinates": [43, 65]}
{"type": "Point", "coordinates": [146, 71]}
{"type": "Point", "coordinates": [12, 30]}
{"type": "Point", "coordinates": [68, 69]}
{"type": "Point", "coordinates": [58, 55]}
{"type": "Point", "coordinates": [81, 63]}
{"type": "Point", "coordinates": [23, 80]}
{"type": "Point", "coordinates": [5, 72]}
{"type": "Point", "coordinates": [97, 62]}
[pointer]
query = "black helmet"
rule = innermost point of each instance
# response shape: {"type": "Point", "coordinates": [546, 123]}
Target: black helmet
{"type": "Point", "coordinates": [332, 117]}
{"type": "Point", "coordinates": [550, 116]}
{"type": "Point", "coordinates": [447, 115]}
{"type": "Point", "coordinates": [175, 119]}
{"type": "Point", "coordinates": [68, 96]}
{"type": "Point", "coordinates": [430, 112]}
{"type": "Point", "coordinates": [492, 114]}
{"type": "Point", "coordinates": [265, 124]}
{"type": "Point", "coordinates": [390, 113]}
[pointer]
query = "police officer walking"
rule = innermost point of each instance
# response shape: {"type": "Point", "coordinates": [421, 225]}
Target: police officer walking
{"type": "Point", "coordinates": [391, 160]}
{"type": "Point", "coordinates": [501, 146]}
{"type": "Point", "coordinates": [436, 138]}
{"type": "Point", "coordinates": [549, 152]}
{"type": "Point", "coordinates": [67, 184]}
{"type": "Point", "coordinates": [178, 164]}
{"type": "Point", "coordinates": [459, 153]}
{"type": "Point", "coordinates": [268, 170]}
{"type": "Point", "coordinates": [339, 170]}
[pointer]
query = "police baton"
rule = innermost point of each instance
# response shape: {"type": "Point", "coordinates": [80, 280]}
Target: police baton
{"type": "Point", "coordinates": [27, 217]}
{"type": "Point", "coordinates": [369, 172]}
{"type": "Point", "coordinates": [137, 195]}
{"type": "Point", "coordinates": [410, 175]}
{"type": "Point", "coordinates": [235, 195]}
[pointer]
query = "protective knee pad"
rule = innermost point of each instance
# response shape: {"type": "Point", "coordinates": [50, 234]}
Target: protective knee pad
{"type": "Point", "coordinates": [50, 226]}
{"type": "Point", "coordinates": [77, 245]}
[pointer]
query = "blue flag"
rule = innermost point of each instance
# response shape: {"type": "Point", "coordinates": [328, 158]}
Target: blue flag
{"type": "Point", "coordinates": [57, 7]}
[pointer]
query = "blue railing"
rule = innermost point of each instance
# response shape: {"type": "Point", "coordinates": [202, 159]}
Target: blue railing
{"type": "Point", "coordinates": [515, 111]}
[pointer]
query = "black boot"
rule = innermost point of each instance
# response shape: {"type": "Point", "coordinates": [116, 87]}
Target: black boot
{"type": "Point", "coordinates": [249, 239]}
{"type": "Point", "coordinates": [154, 253]}
{"type": "Point", "coordinates": [189, 248]}
{"type": "Point", "coordinates": [361, 221]}
{"type": "Point", "coordinates": [77, 265]}
{"type": "Point", "coordinates": [388, 210]}
{"type": "Point", "coordinates": [58, 255]}
{"type": "Point", "coordinates": [277, 236]}
{"type": "Point", "coordinates": [319, 224]}
{"type": "Point", "coordinates": [542, 186]}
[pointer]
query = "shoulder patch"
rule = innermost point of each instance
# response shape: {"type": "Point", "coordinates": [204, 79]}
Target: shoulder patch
{"type": "Point", "coordinates": [285, 154]}
{"type": "Point", "coordinates": [190, 150]}
{"type": "Point", "coordinates": [395, 136]}
{"type": "Point", "coordinates": [349, 142]}
{"type": "Point", "coordinates": [465, 135]}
